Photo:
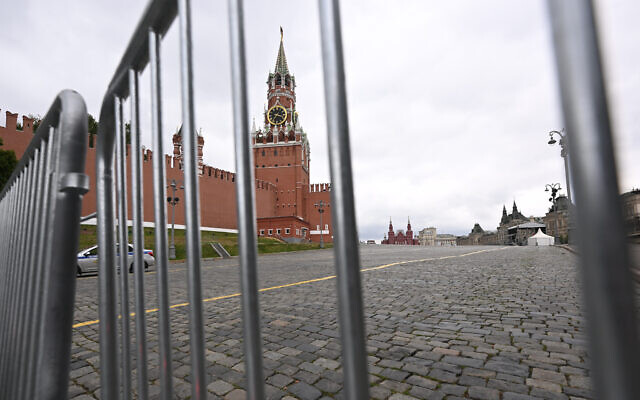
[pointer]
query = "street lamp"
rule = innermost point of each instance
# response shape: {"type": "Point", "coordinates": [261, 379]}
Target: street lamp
{"type": "Point", "coordinates": [321, 205]}
{"type": "Point", "coordinates": [173, 200]}
{"type": "Point", "coordinates": [564, 152]}
{"type": "Point", "coordinates": [554, 187]}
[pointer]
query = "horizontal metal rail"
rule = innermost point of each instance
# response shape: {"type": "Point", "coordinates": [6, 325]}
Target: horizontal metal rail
{"type": "Point", "coordinates": [39, 225]}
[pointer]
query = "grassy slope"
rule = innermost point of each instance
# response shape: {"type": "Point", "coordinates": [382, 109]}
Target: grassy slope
{"type": "Point", "coordinates": [228, 240]}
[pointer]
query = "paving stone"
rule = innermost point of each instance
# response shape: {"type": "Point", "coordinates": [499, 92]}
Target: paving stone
{"type": "Point", "coordinates": [279, 380]}
{"type": "Point", "coordinates": [236, 394]}
{"type": "Point", "coordinates": [443, 376]}
{"type": "Point", "coordinates": [220, 387]}
{"type": "Point", "coordinates": [398, 396]}
{"type": "Point", "coordinates": [551, 376]}
{"type": "Point", "coordinates": [378, 392]}
{"type": "Point", "coordinates": [452, 389]}
{"type": "Point", "coordinates": [327, 386]}
{"type": "Point", "coordinates": [518, 396]}
{"type": "Point", "coordinates": [507, 368]}
{"type": "Point", "coordinates": [421, 381]}
{"type": "Point", "coordinates": [483, 393]}
{"type": "Point", "coordinates": [305, 391]}
{"type": "Point", "coordinates": [551, 387]}
{"type": "Point", "coordinates": [394, 374]}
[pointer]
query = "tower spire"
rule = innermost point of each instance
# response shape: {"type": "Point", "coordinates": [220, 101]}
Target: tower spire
{"type": "Point", "coordinates": [281, 61]}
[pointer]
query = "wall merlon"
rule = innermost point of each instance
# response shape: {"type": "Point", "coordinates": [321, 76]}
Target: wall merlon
{"type": "Point", "coordinates": [12, 120]}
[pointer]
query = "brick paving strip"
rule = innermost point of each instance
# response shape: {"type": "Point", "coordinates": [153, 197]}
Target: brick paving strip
{"type": "Point", "coordinates": [442, 323]}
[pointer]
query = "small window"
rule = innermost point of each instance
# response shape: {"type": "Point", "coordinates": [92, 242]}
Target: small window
{"type": "Point", "coordinates": [326, 227]}
{"type": "Point", "coordinates": [297, 232]}
{"type": "Point", "coordinates": [278, 231]}
{"type": "Point", "coordinates": [262, 165]}
{"type": "Point", "coordinates": [276, 165]}
{"type": "Point", "coordinates": [317, 227]}
{"type": "Point", "coordinates": [261, 232]}
{"type": "Point", "coordinates": [263, 153]}
{"type": "Point", "coordinates": [287, 231]}
{"type": "Point", "coordinates": [289, 164]}
{"type": "Point", "coordinates": [275, 153]}
{"type": "Point", "coordinates": [270, 232]}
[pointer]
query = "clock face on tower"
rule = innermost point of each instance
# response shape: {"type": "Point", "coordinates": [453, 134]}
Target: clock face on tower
{"type": "Point", "coordinates": [277, 115]}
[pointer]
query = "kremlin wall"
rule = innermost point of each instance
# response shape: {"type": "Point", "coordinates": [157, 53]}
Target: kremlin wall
{"type": "Point", "coordinates": [286, 201]}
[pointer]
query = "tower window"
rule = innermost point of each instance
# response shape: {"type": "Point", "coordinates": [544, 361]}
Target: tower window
{"type": "Point", "coordinates": [275, 152]}
{"type": "Point", "coordinates": [263, 153]}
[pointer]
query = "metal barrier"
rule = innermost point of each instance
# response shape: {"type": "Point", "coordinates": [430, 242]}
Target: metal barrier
{"type": "Point", "coordinates": [39, 226]}
{"type": "Point", "coordinates": [609, 299]}
{"type": "Point", "coordinates": [144, 48]}
{"type": "Point", "coordinates": [606, 273]}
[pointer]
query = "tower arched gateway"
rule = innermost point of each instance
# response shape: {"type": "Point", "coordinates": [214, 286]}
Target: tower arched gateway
{"type": "Point", "coordinates": [281, 156]}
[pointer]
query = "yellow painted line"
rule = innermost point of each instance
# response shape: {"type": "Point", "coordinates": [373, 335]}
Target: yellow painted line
{"type": "Point", "coordinates": [325, 278]}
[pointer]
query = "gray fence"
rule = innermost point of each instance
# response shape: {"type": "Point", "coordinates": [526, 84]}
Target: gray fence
{"type": "Point", "coordinates": [39, 213]}
{"type": "Point", "coordinates": [605, 264]}
{"type": "Point", "coordinates": [143, 49]}
{"type": "Point", "coordinates": [39, 224]}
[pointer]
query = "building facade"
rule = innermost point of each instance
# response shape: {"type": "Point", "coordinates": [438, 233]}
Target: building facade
{"type": "Point", "coordinates": [400, 237]}
{"type": "Point", "coordinates": [427, 236]}
{"type": "Point", "coordinates": [556, 220]}
{"type": "Point", "coordinates": [287, 204]}
{"type": "Point", "coordinates": [631, 212]}
{"type": "Point", "coordinates": [514, 228]}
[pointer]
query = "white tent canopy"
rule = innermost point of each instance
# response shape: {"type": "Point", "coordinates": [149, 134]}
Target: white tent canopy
{"type": "Point", "coordinates": [540, 239]}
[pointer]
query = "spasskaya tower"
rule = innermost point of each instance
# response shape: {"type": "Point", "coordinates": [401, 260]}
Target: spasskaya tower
{"type": "Point", "coordinates": [281, 157]}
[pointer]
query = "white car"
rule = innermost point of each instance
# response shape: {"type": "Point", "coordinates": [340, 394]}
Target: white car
{"type": "Point", "coordinates": [88, 259]}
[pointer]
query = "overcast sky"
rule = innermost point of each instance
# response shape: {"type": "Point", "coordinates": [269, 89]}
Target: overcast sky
{"type": "Point", "coordinates": [450, 103]}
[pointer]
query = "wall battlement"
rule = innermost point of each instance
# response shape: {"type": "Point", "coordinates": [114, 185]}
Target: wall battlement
{"type": "Point", "coordinates": [319, 187]}
{"type": "Point", "coordinates": [11, 123]}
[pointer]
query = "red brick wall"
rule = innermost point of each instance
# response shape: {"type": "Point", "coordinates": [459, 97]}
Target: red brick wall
{"type": "Point", "coordinates": [13, 139]}
{"type": "Point", "coordinates": [320, 191]}
{"type": "Point", "coordinates": [281, 191]}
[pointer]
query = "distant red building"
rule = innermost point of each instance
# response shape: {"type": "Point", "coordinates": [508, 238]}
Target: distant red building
{"type": "Point", "coordinates": [400, 237]}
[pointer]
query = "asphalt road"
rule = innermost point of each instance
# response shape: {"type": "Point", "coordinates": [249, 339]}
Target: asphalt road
{"type": "Point", "coordinates": [465, 322]}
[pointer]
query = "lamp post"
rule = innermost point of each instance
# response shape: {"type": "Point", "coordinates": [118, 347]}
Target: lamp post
{"type": "Point", "coordinates": [554, 187]}
{"type": "Point", "coordinates": [173, 200]}
{"type": "Point", "coordinates": [321, 205]}
{"type": "Point", "coordinates": [564, 152]}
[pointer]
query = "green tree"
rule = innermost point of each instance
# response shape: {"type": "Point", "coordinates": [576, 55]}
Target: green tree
{"type": "Point", "coordinates": [93, 125]}
{"type": "Point", "coordinates": [37, 119]}
{"type": "Point", "coordinates": [8, 163]}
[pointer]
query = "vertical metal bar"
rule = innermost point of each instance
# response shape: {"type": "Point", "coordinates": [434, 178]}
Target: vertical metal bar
{"type": "Point", "coordinates": [7, 342]}
{"type": "Point", "coordinates": [21, 234]}
{"type": "Point", "coordinates": [20, 292]}
{"type": "Point", "coordinates": [40, 255]}
{"type": "Point", "coordinates": [192, 206]}
{"type": "Point", "coordinates": [109, 385]}
{"type": "Point", "coordinates": [162, 259]}
{"type": "Point", "coordinates": [121, 179]}
{"type": "Point", "coordinates": [138, 236]}
{"type": "Point", "coordinates": [608, 292]}
{"type": "Point", "coordinates": [352, 330]}
{"type": "Point", "coordinates": [26, 331]}
{"type": "Point", "coordinates": [245, 197]}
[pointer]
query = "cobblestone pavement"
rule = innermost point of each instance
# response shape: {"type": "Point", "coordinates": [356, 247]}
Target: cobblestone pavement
{"type": "Point", "coordinates": [504, 323]}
